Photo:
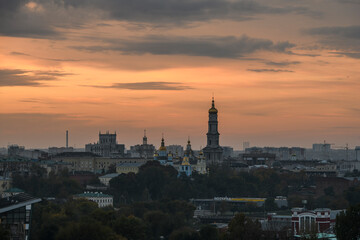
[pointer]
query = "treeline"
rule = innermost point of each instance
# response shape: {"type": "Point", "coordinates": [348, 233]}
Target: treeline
{"type": "Point", "coordinates": [38, 184]}
{"type": "Point", "coordinates": [83, 220]}
{"type": "Point", "coordinates": [156, 182]}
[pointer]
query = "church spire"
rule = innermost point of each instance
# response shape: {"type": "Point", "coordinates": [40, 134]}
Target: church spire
{"type": "Point", "coordinates": [144, 138]}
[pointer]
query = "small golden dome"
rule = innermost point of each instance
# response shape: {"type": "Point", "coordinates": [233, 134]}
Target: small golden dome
{"type": "Point", "coordinates": [213, 109]}
{"type": "Point", "coordinates": [185, 161]}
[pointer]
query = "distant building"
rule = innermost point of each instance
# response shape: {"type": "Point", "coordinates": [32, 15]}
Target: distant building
{"type": "Point", "coordinates": [357, 153]}
{"type": "Point", "coordinates": [258, 158]}
{"type": "Point", "coordinates": [57, 150]}
{"type": "Point", "coordinates": [190, 162]}
{"type": "Point", "coordinates": [213, 152]}
{"type": "Point", "coordinates": [281, 153]}
{"type": "Point", "coordinates": [175, 150]}
{"type": "Point", "coordinates": [143, 150]}
{"type": "Point", "coordinates": [11, 192]}
{"type": "Point", "coordinates": [20, 151]}
{"type": "Point", "coordinates": [102, 200]}
{"type": "Point", "coordinates": [128, 167]}
{"type": "Point", "coordinates": [246, 145]}
{"type": "Point", "coordinates": [162, 156]}
{"type": "Point", "coordinates": [105, 179]}
{"type": "Point", "coordinates": [185, 167]}
{"type": "Point", "coordinates": [15, 214]}
{"type": "Point", "coordinates": [90, 162]}
{"type": "Point", "coordinates": [319, 220]}
{"type": "Point", "coordinates": [107, 146]}
{"type": "Point", "coordinates": [227, 151]}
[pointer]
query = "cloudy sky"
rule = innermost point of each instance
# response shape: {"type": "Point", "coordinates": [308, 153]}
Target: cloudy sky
{"type": "Point", "coordinates": [283, 72]}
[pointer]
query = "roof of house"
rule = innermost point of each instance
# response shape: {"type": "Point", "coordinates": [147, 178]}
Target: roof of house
{"type": "Point", "coordinates": [17, 201]}
{"type": "Point", "coordinates": [14, 190]}
{"type": "Point", "coordinates": [110, 175]}
{"type": "Point", "coordinates": [92, 194]}
{"type": "Point", "coordinates": [137, 164]}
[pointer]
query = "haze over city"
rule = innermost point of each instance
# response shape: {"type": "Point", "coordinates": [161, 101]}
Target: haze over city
{"type": "Point", "coordinates": [283, 73]}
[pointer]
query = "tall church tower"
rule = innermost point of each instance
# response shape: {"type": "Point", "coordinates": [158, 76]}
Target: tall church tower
{"type": "Point", "coordinates": [213, 151]}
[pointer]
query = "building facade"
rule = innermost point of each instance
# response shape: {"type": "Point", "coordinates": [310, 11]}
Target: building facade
{"type": "Point", "coordinates": [143, 150]}
{"type": "Point", "coordinates": [107, 146]}
{"type": "Point", "coordinates": [162, 155]}
{"type": "Point", "coordinates": [213, 152]}
{"type": "Point", "coordinates": [102, 200]}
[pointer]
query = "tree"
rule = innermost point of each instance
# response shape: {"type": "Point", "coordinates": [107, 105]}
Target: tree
{"type": "Point", "coordinates": [4, 233]}
{"type": "Point", "coordinates": [347, 225]}
{"type": "Point", "coordinates": [243, 228]}
{"type": "Point", "coordinates": [209, 232]}
{"type": "Point", "coordinates": [86, 231]}
{"type": "Point", "coordinates": [131, 227]}
{"type": "Point", "coordinates": [184, 233]}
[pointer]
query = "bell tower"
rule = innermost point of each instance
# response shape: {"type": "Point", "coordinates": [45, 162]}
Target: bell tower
{"type": "Point", "coordinates": [213, 151]}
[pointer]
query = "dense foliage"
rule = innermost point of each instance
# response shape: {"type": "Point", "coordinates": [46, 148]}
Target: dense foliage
{"type": "Point", "coordinates": [81, 219]}
{"type": "Point", "coordinates": [40, 185]}
{"type": "Point", "coordinates": [156, 182]}
{"type": "Point", "coordinates": [348, 224]}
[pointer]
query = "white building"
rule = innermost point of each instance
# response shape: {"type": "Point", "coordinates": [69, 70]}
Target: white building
{"type": "Point", "coordinates": [102, 200]}
{"type": "Point", "coordinates": [106, 178]}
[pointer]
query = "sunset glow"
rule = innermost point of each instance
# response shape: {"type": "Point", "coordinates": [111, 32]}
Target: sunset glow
{"type": "Point", "coordinates": [283, 73]}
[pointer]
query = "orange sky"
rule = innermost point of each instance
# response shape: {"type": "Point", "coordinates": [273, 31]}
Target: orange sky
{"type": "Point", "coordinates": [284, 73]}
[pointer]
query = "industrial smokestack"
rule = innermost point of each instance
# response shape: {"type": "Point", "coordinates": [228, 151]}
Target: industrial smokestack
{"type": "Point", "coordinates": [67, 138]}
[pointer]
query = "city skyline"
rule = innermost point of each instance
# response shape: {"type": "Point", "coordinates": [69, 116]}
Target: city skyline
{"type": "Point", "coordinates": [284, 73]}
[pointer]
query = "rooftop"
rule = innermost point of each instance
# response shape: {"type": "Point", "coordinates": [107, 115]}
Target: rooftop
{"type": "Point", "coordinates": [14, 190]}
{"type": "Point", "coordinates": [92, 194]}
{"type": "Point", "coordinates": [17, 201]}
{"type": "Point", "coordinates": [110, 175]}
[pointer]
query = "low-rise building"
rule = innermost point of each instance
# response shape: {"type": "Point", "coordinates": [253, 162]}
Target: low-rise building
{"type": "Point", "coordinates": [102, 200]}
{"type": "Point", "coordinates": [308, 221]}
{"type": "Point", "coordinates": [105, 179]}
{"type": "Point", "coordinates": [90, 162]}
{"type": "Point", "coordinates": [11, 192]}
{"type": "Point", "coordinates": [128, 167]}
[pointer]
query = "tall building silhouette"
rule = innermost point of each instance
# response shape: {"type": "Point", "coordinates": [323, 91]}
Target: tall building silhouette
{"type": "Point", "coordinates": [213, 152]}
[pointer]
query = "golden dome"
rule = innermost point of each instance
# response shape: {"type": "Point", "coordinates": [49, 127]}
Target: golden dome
{"type": "Point", "coordinates": [162, 147]}
{"type": "Point", "coordinates": [185, 161]}
{"type": "Point", "coordinates": [213, 109]}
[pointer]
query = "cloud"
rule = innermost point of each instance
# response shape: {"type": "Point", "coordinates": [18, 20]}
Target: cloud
{"type": "Point", "coordinates": [148, 86]}
{"type": "Point", "coordinates": [216, 47]}
{"type": "Point", "coordinates": [344, 31]}
{"type": "Point", "coordinates": [51, 18]}
{"type": "Point", "coordinates": [343, 38]}
{"type": "Point", "coordinates": [20, 18]}
{"type": "Point", "coordinates": [282, 64]}
{"type": "Point", "coordinates": [268, 70]}
{"type": "Point", "coordinates": [348, 54]}
{"type": "Point", "coordinates": [308, 84]}
{"type": "Point", "coordinates": [48, 59]}
{"type": "Point", "coordinates": [180, 12]}
{"type": "Point", "coordinates": [18, 77]}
